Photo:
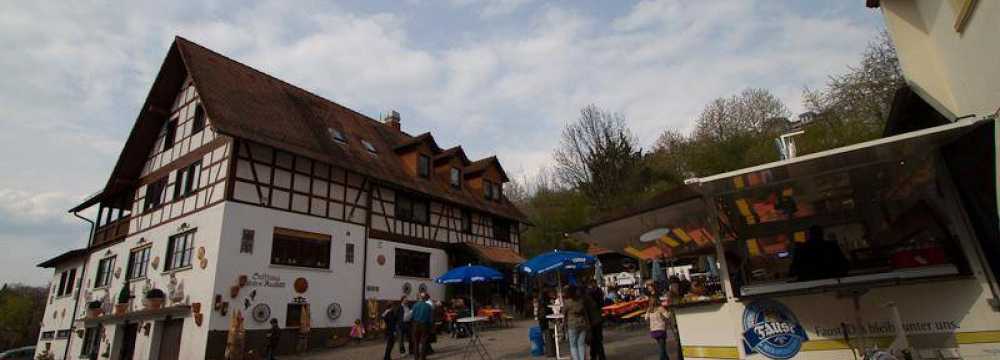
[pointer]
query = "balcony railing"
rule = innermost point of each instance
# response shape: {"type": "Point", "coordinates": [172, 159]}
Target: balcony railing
{"type": "Point", "coordinates": [113, 231]}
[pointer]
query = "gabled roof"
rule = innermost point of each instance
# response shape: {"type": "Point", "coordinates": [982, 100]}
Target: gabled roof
{"type": "Point", "coordinates": [481, 165]}
{"type": "Point", "coordinates": [456, 151]}
{"type": "Point", "coordinates": [66, 256]}
{"type": "Point", "coordinates": [248, 104]}
{"type": "Point", "coordinates": [425, 138]}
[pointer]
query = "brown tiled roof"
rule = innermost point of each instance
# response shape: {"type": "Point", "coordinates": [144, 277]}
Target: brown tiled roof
{"type": "Point", "coordinates": [496, 255]}
{"type": "Point", "coordinates": [481, 165]}
{"type": "Point", "coordinates": [449, 153]}
{"type": "Point", "coordinates": [245, 103]}
{"type": "Point", "coordinates": [425, 138]}
{"type": "Point", "coordinates": [69, 255]}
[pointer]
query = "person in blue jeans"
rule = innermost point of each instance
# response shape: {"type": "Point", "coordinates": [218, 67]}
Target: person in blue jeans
{"type": "Point", "coordinates": [577, 322]}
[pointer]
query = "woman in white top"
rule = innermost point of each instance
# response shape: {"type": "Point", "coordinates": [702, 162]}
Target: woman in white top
{"type": "Point", "coordinates": [659, 318]}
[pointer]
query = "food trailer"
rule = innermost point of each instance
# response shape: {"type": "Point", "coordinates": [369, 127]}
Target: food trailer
{"type": "Point", "coordinates": [825, 256]}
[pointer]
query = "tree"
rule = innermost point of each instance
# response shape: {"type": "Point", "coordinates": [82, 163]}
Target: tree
{"type": "Point", "coordinates": [21, 311]}
{"type": "Point", "coordinates": [730, 133]}
{"type": "Point", "coordinates": [599, 156]}
{"type": "Point", "coordinates": [855, 105]}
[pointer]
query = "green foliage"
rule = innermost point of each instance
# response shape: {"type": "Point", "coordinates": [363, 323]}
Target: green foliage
{"type": "Point", "coordinates": [21, 311]}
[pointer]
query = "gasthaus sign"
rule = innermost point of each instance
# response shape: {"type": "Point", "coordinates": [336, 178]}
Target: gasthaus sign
{"type": "Point", "coordinates": [771, 329]}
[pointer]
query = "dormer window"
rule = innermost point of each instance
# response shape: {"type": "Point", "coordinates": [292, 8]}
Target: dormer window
{"type": "Point", "coordinates": [369, 146]}
{"type": "Point", "coordinates": [488, 189]}
{"type": "Point", "coordinates": [424, 166]}
{"type": "Point", "coordinates": [456, 178]}
{"type": "Point", "coordinates": [336, 135]}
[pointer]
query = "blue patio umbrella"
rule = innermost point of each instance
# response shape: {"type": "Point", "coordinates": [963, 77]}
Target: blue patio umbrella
{"type": "Point", "coordinates": [559, 261]}
{"type": "Point", "coordinates": [470, 274]}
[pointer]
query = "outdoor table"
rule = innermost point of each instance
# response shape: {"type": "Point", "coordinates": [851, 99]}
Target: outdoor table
{"type": "Point", "coordinates": [557, 318]}
{"type": "Point", "coordinates": [475, 343]}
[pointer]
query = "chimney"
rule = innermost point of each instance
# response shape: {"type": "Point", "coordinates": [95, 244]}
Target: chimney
{"type": "Point", "coordinates": [392, 120]}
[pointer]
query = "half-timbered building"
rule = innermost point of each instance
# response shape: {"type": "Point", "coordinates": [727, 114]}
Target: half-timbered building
{"type": "Point", "coordinates": [244, 198]}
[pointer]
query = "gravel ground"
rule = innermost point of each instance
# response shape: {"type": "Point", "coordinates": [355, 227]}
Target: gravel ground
{"type": "Point", "coordinates": [624, 342]}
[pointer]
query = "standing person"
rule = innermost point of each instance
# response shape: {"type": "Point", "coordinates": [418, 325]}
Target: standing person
{"type": "Point", "coordinates": [658, 318]}
{"type": "Point", "coordinates": [422, 321]}
{"type": "Point", "coordinates": [576, 318]}
{"type": "Point", "coordinates": [273, 338]}
{"type": "Point", "coordinates": [594, 299]}
{"type": "Point", "coordinates": [432, 332]}
{"type": "Point", "coordinates": [404, 325]}
{"type": "Point", "coordinates": [392, 318]}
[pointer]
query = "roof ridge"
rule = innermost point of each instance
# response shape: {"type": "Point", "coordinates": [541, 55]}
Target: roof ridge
{"type": "Point", "coordinates": [272, 77]}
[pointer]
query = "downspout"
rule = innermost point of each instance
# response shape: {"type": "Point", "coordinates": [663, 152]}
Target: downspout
{"type": "Point", "coordinates": [79, 285]}
{"type": "Point", "coordinates": [364, 256]}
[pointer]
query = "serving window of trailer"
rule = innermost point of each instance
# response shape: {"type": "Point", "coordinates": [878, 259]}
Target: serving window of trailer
{"type": "Point", "coordinates": [864, 216]}
{"type": "Point", "coordinates": [678, 234]}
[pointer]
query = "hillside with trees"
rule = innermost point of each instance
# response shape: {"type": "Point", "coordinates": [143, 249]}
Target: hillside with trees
{"type": "Point", "coordinates": [600, 165]}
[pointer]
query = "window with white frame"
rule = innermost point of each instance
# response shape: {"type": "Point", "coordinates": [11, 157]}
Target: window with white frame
{"type": "Point", "coordinates": [104, 269]}
{"type": "Point", "coordinates": [179, 250]}
{"type": "Point", "coordinates": [138, 261]}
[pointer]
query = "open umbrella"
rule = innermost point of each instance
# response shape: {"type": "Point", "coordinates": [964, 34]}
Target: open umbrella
{"type": "Point", "coordinates": [470, 274]}
{"type": "Point", "coordinates": [559, 261]}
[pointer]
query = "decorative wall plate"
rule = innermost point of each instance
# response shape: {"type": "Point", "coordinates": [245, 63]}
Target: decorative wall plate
{"type": "Point", "coordinates": [333, 311]}
{"type": "Point", "coordinates": [301, 285]}
{"type": "Point", "coordinates": [407, 288]}
{"type": "Point", "coordinates": [261, 312]}
{"type": "Point", "coordinates": [381, 260]}
{"type": "Point", "coordinates": [422, 288]}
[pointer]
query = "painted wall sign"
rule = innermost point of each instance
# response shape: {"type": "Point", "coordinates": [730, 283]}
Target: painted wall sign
{"type": "Point", "coordinates": [772, 330]}
{"type": "Point", "coordinates": [265, 280]}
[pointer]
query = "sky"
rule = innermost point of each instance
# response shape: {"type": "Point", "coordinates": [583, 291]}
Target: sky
{"type": "Point", "coordinates": [495, 76]}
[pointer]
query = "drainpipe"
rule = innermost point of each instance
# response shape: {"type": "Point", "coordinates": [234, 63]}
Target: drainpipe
{"type": "Point", "coordinates": [79, 285]}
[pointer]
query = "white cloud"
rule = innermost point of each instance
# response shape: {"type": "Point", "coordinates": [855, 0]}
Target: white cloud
{"type": "Point", "coordinates": [492, 8]}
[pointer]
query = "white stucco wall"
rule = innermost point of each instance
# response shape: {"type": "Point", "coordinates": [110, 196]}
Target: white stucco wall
{"type": "Point", "coordinates": [340, 284]}
{"type": "Point", "coordinates": [195, 280]}
{"type": "Point", "coordinates": [959, 71]}
{"type": "Point", "coordinates": [390, 286]}
{"type": "Point", "coordinates": [58, 313]}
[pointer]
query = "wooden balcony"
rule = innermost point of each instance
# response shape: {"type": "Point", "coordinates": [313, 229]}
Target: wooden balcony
{"type": "Point", "coordinates": [114, 231]}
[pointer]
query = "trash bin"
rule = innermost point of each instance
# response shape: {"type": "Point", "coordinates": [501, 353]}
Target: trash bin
{"type": "Point", "coordinates": [537, 344]}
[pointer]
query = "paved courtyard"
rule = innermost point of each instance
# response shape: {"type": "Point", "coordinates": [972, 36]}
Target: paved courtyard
{"type": "Point", "coordinates": [631, 343]}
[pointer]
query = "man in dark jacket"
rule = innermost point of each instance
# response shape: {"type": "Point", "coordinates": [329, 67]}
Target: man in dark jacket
{"type": "Point", "coordinates": [392, 317]}
{"type": "Point", "coordinates": [273, 339]}
{"type": "Point", "coordinates": [593, 302]}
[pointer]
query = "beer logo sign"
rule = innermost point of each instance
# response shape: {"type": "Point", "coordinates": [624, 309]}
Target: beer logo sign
{"type": "Point", "coordinates": [770, 329]}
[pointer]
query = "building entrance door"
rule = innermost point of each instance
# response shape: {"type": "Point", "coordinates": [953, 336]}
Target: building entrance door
{"type": "Point", "coordinates": [129, 332]}
{"type": "Point", "coordinates": [170, 341]}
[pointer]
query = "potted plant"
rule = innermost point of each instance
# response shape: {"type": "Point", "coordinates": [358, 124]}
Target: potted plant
{"type": "Point", "coordinates": [154, 298]}
{"type": "Point", "coordinates": [123, 297]}
{"type": "Point", "coordinates": [94, 308]}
